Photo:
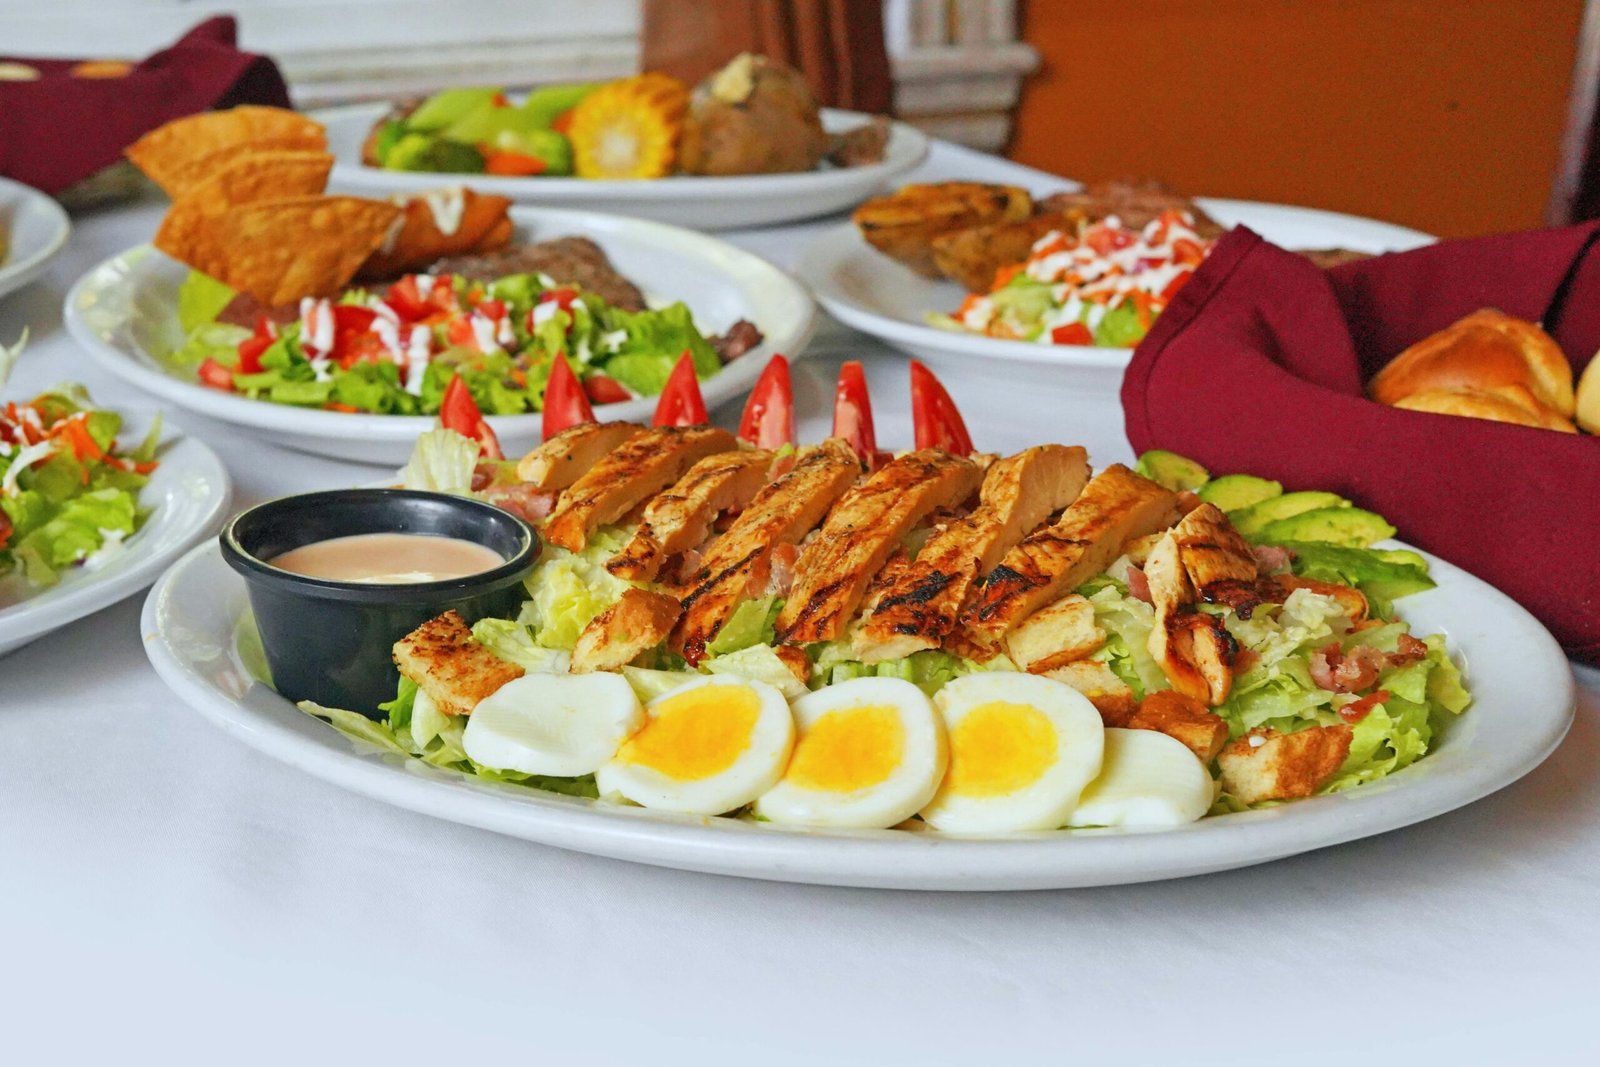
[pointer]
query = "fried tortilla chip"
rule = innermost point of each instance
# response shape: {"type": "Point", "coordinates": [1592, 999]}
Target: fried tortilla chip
{"type": "Point", "coordinates": [185, 151]}
{"type": "Point", "coordinates": [187, 232]}
{"type": "Point", "coordinates": [427, 234]}
{"type": "Point", "coordinates": [279, 251]}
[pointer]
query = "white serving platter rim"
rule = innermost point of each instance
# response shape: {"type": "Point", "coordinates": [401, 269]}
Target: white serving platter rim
{"type": "Point", "coordinates": [1524, 701]}
{"type": "Point", "coordinates": [37, 229]}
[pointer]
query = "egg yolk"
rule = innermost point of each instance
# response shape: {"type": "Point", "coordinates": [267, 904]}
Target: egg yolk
{"type": "Point", "coordinates": [849, 749]}
{"type": "Point", "coordinates": [695, 734]}
{"type": "Point", "coordinates": [1000, 748]}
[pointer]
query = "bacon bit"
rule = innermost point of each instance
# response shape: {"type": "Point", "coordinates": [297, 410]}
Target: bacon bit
{"type": "Point", "coordinates": [522, 499]}
{"type": "Point", "coordinates": [1346, 672]}
{"type": "Point", "coordinates": [1139, 585]}
{"type": "Point", "coordinates": [1245, 660]}
{"type": "Point", "coordinates": [1357, 710]}
{"type": "Point", "coordinates": [1272, 558]}
{"type": "Point", "coordinates": [1408, 650]}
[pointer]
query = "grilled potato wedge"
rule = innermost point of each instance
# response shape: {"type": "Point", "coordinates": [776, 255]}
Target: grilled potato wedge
{"type": "Point", "coordinates": [904, 224]}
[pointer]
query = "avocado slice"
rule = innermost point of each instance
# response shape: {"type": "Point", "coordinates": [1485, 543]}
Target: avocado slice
{"type": "Point", "coordinates": [1347, 526]}
{"type": "Point", "coordinates": [1256, 517]}
{"type": "Point", "coordinates": [1172, 471]}
{"type": "Point", "coordinates": [444, 108]}
{"type": "Point", "coordinates": [1234, 491]}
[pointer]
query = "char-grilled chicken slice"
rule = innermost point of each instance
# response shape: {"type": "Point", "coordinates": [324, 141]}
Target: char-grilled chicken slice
{"type": "Point", "coordinates": [681, 518]}
{"type": "Point", "coordinates": [918, 605]}
{"type": "Point", "coordinates": [1194, 650]}
{"type": "Point", "coordinates": [1116, 505]}
{"type": "Point", "coordinates": [557, 463]}
{"type": "Point", "coordinates": [735, 565]}
{"type": "Point", "coordinates": [644, 465]}
{"type": "Point", "coordinates": [862, 531]}
{"type": "Point", "coordinates": [636, 623]}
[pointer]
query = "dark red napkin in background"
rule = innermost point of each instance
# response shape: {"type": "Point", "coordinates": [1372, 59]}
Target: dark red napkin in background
{"type": "Point", "coordinates": [58, 129]}
{"type": "Point", "coordinates": [1257, 366]}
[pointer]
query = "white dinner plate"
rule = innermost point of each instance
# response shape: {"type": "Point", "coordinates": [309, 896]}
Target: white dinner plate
{"type": "Point", "coordinates": [188, 495]}
{"type": "Point", "coordinates": [1523, 705]}
{"type": "Point", "coordinates": [867, 290]}
{"type": "Point", "coordinates": [700, 202]}
{"type": "Point", "coordinates": [124, 312]}
{"type": "Point", "coordinates": [33, 227]}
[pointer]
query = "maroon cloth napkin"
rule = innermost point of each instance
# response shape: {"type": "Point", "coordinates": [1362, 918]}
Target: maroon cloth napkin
{"type": "Point", "coordinates": [1257, 366]}
{"type": "Point", "coordinates": [57, 130]}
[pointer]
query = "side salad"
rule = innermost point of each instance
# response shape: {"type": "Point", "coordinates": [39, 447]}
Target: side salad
{"type": "Point", "coordinates": [395, 350]}
{"type": "Point", "coordinates": [1253, 627]}
{"type": "Point", "coordinates": [69, 494]}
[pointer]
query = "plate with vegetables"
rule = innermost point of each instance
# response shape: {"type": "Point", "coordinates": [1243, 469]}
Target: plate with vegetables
{"type": "Point", "coordinates": [748, 147]}
{"type": "Point", "coordinates": [959, 271]}
{"type": "Point", "coordinates": [932, 669]}
{"type": "Point", "coordinates": [92, 507]}
{"type": "Point", "coordinates": [359, 374]}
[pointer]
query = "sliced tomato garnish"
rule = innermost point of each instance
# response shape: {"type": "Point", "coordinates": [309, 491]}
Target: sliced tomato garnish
{"type": "Point", "coordinates": [768, 420]}
{"type": "Point", "coordinates": [564, 401]}
{"type": "Point", "coordinates": [459, 412]}
{"type": "Point", "coordinates": [406, 299]}
{"type": "Point", "coordinates": [935, 421]}
{"type": "Point", "coordinates": [216, 375]}
{"type": "Point", "coordinates": [1073, 333]}
{"type": "Point", "coordinates": [852, 412]}
{"type": "Point", "coordinates": [681, 403]}
{"type": "Point", "coordinates": [603, 389]}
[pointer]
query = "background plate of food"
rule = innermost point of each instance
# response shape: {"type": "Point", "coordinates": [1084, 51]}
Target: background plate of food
{"type": "Point", "coordinates": [81, 526]}
{"type": "Point", "coordinates": [747, 148]}
{"type": "Point", "coordinates": [959, 272]}
{"type": "Point", "coordinates": [33, 228]}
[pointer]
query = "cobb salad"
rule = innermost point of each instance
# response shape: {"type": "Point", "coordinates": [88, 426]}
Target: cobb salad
{"type": "Point", "coordinates": [69, 494]}
{"type": "Point", "coordinates": [939, 639]}
{"type": "Point", "coordinates": [1104, 286]}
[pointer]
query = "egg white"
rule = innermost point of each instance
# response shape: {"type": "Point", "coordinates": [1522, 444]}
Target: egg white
{"type": "Point", "coordinates": [674, 725]}
{"type": "Point", "coordinates": [563, 725]}
{"type": "Point", "coordinates": [1022, 749]}
{"type": "Point", "coordinates": [1148, 781]}
{"type": "Point", "coordinates": [869, 753]}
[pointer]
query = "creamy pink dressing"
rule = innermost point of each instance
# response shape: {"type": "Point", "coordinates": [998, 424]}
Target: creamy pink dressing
{"type": "Point", "coordinates": [389, 559]}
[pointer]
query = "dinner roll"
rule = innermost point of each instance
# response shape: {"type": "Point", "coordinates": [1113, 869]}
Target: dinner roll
{"type": "Point", "coordinates": [1503, 403]}
{"type": "Point", "coordinates": [1485, 350]}
{"type": "Point", "coordinates": [1589, 397]}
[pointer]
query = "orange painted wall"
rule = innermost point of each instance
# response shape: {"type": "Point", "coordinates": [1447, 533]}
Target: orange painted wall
{"type": "Point", "coordinates": [1445, 115]}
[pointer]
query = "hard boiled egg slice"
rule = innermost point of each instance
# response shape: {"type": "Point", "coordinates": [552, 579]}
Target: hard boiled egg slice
{"type": "Point", "coordinates": [563, 725]}
{"type": "Point", "coordinates": [707, 747]}
{"type": "Point", "coordinates": [1022, 749]}
{"type": "Point", "coordinates": [868, 753]}
{"type": "Point", "coordinates": [1148, 781]}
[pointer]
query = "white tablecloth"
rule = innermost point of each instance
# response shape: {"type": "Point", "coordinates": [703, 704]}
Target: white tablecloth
{"type": "Point", "coordinates": [167, 892]}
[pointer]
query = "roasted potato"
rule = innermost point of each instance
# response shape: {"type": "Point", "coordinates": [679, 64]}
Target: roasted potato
{"type": "Point", "coordinates": [754, 116]}
{"type": "Point", "coordinates": [904, 224]}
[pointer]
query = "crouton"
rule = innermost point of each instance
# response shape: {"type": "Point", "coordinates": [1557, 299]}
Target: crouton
{"type": "Point", "coordinates": [1109, 694]}
{"type": "Point", "coordinates": [1056, 634]}
{"type": "Point", "coordinates": [1267, 765]}
{"type": "Point", "coordinates": [636, 623]}
{"type": "Point", "coordinates": [448, 665]}
{"type": "Point", "coordinates": [794, 657]}
{"type": "Point", "coordinates": [1182, 718]}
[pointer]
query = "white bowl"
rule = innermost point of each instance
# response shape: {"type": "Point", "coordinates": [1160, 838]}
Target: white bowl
{"type": "Point", "coordinates": [124, 312]}
{"type": "Point", "coordinates": [36, 228]}
{"type": "Point", "coordinates": [703, 203]}
{"type": "Point", "coordinates": [874, 294]}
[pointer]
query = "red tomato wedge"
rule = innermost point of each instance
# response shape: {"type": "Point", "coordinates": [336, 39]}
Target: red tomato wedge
{"type": "Point", "coordinates": [603, 389]}
{"type": "Point", "coordinates": [406, 298]}
{"type": "Point", "coordinates": [1073, 333]}
{"type": "Point", "coordinates": [215, 375]}
{"type": "Point", "coordinates": [934, 419]}
{"type": "Point", "coordinates": [564, 401]}
{"type": "Point", "coordinates": [768, 420]}
{"type": "Point", "coordinates": [852, 412]}
{"type": "Point", "coordinates": [459, 412]}
{"type": "Point", "coordinates": [681, 403]}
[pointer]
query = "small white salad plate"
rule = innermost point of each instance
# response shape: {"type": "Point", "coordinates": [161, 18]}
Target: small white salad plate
{"type": "Point", "coordinates": [188, 497]}
{"type": "Point", "coordinates": [124, 312]}
{"type": "Point", "coordinates": [1523, 705]}
{"type": "Point", "coordinates": [701, 202]}
{"type": "Point", "coordinates": [867, 290]}
{"type": "Point", "coordinates": [33, 228]}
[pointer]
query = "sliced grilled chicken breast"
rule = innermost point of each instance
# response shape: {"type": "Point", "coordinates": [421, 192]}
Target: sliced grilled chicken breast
{"type": "Point", "coordinates": [916, 606]}
{"type": "Point", "coordinates": [562, 460]}
{"type": "Point", "coordinates": [1195, 651]}
{"type": "Point", "coordinates": [642, 466]}
{"type": "Point", "coordinates": [862, 531]}
{"type": "Point", "coordinates": [681, 517]}
{"type": "Point", "coordinates": [735, 564]}
{"type": "Point", "coordinates": [636, 623]}
{"type": "Point", "coordinates": [1116, 505]}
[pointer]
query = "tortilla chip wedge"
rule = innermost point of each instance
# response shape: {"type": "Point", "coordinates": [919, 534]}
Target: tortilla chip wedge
{"type": "Point", "coordinates": [279, 251]}
{"type": "Point", "coordinates": [186, 232]}
{"type": "Point", "coordinates": [185, 151]}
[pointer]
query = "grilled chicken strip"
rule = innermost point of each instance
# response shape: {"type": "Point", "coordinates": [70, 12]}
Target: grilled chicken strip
{"type": "Point", "coordinates": [562, 460]}
{"type": "Point", "coordinates": [636, 623]}
{"type": "Point", "coordinates": [1195, 651]}
{"type": "Point", "coordinates": [736, 562]}
{"type": "Point", "coordinates": [862, 531]}
{"type": "Point", "coordinates": [1116, 505]}
{"type": "Point", "coordinates": [644, 465]}
{"type": "Point", "coordinates": [681, 517]}
{"type": "Point", "coordinates": [919, 604]}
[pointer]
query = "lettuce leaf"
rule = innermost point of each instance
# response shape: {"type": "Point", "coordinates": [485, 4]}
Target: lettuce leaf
{"type": "Point", "coordinates": [655, 340]}
{"type": "Point", "coordinates": [201, 299]}
{"type": "Point", "coordinates": [442, 461]}
{"type": "Point", "coordinates": [758, 663]}
{"type": "Point", "coordinates": [513, 643]}
{"type": "Point", "coordinates": [567, 590]}
{"type": "Point", "coordinates": [753, 622]}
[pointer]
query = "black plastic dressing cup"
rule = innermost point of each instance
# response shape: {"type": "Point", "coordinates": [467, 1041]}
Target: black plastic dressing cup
{"type": "Point", "coordinates": [331, 641]}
